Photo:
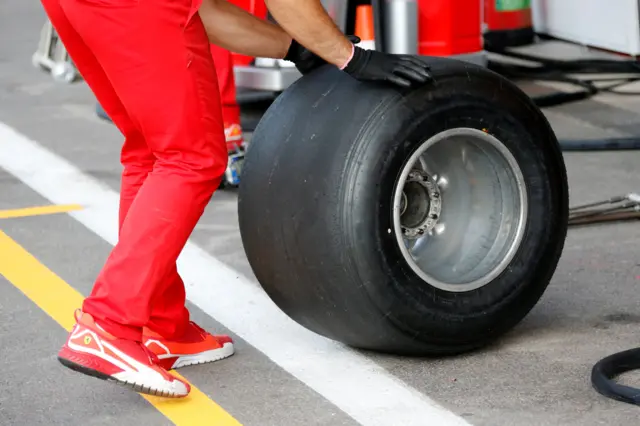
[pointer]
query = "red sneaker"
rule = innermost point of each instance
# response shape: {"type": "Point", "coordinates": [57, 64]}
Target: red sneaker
{"type": "Point", "coordinates": [91, 350]}
{"type": "Point", "coordinates": [196, 347]}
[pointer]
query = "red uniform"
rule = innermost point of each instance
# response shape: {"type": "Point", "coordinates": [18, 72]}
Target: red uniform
{"type": "Point", "coordinates": [150, 66]}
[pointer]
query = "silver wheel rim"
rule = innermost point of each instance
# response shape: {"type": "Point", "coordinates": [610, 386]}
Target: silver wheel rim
{"type": "Point", "coordinates": [460, 209]}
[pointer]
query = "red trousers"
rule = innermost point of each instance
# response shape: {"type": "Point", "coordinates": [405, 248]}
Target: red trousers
{"type": "Point", "coordinates": [150, 67]}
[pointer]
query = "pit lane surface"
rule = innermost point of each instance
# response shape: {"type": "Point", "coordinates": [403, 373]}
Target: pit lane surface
{"type": "Point", "coordinates": [537, 375]}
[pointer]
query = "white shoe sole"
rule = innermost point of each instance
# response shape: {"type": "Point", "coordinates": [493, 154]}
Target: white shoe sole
{"type": "Point", "coordinates": [147, 382]}
{"type": "Point", "coordinates": [203, 357]}
{"type": "Point", "coordinates": [151, 384]}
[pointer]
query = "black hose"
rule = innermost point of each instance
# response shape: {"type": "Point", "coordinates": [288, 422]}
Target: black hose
{"type": "Point", "coordinates": [612, 144]}
{"type": "Point", "coordinates": [546, 69]}
{"type": "Point", "coordinates": [603, 373]}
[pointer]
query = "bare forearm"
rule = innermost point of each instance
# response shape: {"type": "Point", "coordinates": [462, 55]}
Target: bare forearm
{"type": "Point", "coordinates": [310, 25]}
{"type": "Point", "coordinates": [238, 31]}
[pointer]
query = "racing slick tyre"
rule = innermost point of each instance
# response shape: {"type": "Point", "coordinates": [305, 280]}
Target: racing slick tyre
{"type": "Point", "coordinates": [422, 221]}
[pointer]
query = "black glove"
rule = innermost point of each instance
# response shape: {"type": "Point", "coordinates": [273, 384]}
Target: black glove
{"type": "Point", "coordinates": [403, 70]}
{"type": "Point", "coordinates": [304, 59]}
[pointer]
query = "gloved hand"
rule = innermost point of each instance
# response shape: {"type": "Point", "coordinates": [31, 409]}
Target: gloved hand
{"type": "Point", "coordinates": [402, 70]}
{"type": "Point", "coordinates": [304, 59]}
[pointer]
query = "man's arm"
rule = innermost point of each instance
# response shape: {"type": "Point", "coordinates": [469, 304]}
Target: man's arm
{"type": "Point", "coordinates": [309, 24]}
{"type": "Point", "coordinates": [314, 36]}
{"type": "Point", "coordinates": [236, 30]}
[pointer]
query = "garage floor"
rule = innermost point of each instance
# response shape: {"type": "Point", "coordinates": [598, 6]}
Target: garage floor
{"type": "Point", "coordinates": [54, 150]}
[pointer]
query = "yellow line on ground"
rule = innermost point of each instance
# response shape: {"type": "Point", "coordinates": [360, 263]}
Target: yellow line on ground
{"type": "Point", "coordinates": [38, 211]}
{"type": "Point", "coordinates": [59, 300]}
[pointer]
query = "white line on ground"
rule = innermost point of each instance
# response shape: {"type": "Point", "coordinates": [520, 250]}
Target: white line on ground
{"type": "Point", "coordinates": [352, 382]}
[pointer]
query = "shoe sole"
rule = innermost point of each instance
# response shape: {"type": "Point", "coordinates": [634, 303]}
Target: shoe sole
{"type": "Point", "coordinates": [98, 375]}
{"type": "Point", "coordinates": [205, 357]}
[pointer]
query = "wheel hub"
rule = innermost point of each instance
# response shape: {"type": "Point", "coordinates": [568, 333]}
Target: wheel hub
{"type": "Point", "coordinates": [421, 204]}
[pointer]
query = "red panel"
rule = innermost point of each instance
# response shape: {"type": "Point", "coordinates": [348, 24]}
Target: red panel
{"type": "Point", "coordinates": [449, 28]}
{"type": "Point", "coordinates": [506, 20]}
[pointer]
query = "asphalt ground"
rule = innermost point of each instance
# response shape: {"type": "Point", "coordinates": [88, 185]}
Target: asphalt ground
{"type": "Point", "coordinates": [54, 151]}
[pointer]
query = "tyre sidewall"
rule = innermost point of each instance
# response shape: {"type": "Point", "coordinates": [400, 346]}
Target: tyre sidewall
{"type": "Point", "coordinates": [412, 305]}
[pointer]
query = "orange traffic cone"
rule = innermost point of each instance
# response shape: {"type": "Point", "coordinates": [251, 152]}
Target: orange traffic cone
{"type": "Point", "coordinates": [364, 27]}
